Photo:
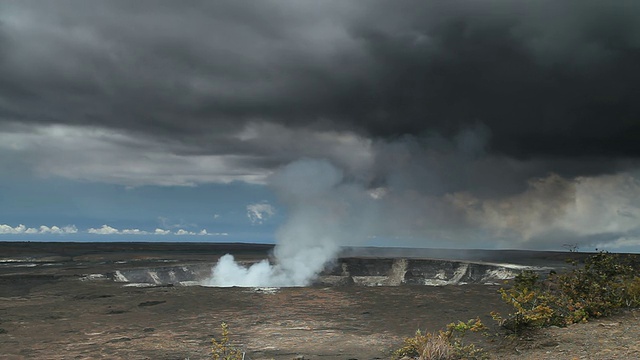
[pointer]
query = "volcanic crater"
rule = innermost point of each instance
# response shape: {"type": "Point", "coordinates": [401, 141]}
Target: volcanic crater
{"type": "Point", "coordinates": [144, 301]}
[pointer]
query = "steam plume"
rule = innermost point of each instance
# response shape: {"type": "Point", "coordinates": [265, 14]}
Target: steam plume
{"type": "Point", "coordinates": [325, 213]}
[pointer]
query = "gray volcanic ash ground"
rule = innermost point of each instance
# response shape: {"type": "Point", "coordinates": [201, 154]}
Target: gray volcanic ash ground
{"type": "Point", "coordinates": [130, 301]}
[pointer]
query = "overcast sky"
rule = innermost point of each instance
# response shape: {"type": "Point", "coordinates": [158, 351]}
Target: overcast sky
{"type": "Point", "coordinates": [469, 123]}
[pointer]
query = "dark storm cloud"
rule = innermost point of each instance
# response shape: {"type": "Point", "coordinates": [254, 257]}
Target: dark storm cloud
{"type": "Point", "coordinates": [478, 122]}
{"type": "Point", "coordinates": [543, 84]}
{"type": "Point", "coordinates": [547, 79]}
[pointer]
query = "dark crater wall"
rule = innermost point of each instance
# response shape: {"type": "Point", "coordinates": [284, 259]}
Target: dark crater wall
{"type": "Point", "coordinates": [350, 271]}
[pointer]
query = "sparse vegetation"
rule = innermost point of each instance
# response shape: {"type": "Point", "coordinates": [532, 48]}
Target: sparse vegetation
{"type": "Point", "coordinates": [223, 349]}
{"type": "Point", "coordinates": [605, 283]}
{"type": "Point", "coordinates": [443, 345]}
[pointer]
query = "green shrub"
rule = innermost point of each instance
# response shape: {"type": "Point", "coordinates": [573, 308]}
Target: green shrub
{"type": "Point", "coordinates": [601, 286]}
{"type": "Point", "coordinates": [533, 306]}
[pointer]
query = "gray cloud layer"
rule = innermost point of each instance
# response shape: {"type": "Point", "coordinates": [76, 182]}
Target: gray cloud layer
{"type": "Point", "coordinates": [547, 78]}
{"type": "Point", "coordinates": [483, 114]}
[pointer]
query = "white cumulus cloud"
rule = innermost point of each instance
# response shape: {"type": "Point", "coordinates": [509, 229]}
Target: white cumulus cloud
{"type": "Point", "coordinates": [110, 230]}
{"type": "Point", "coordinates": [7, 229]}
{"type": "Point", "coordinates": [43, 229]}
{"type": "Point", "coordinates": [161, 232]}
{"type": "Point", "coordinates": [104, 230]}
{"type": "Point", "coordinates": [260, 212]}
{"type": "Point", "coordinates": [203, 232]}
{"type": "Point", "coordinates": [134, 232]}
{"type": "Point", "coordinates": [182, 232]}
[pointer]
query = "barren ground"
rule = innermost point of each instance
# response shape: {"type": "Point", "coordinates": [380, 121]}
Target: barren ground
{"type": "Point", "coordinates": [612, 338]}
{"type": "Point", "coordinates": [48, 312]}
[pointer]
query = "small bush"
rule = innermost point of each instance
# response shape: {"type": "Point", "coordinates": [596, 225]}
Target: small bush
{"type": "Point", "coordinates": [430, 346]}
{"type": "Point", "coordinates": [223, 349]}
{"type": "Point", "coordinates": [443, 345]}
{"type": "Point", "coordinates": [534, 306]}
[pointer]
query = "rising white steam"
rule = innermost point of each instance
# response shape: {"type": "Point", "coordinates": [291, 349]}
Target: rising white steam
{"type": "Point", "coordinates": [325, 212]}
